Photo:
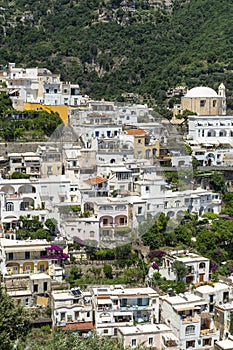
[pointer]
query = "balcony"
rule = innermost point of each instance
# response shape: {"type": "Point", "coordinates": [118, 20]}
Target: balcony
{"type": "Point", "coordinates": [189, 319]}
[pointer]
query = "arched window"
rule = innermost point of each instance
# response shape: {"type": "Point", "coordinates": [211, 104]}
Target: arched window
{"type": "Point", "coordinates": [211, 133]}
{"type": "Point", "coordinates": [190, 330]}
{"type": "Point", "coordinates": [202, 265]}
{"type": "Point", "coordinates": [9, 206]}
{"type": "Point", "coordinates": [222, 133]}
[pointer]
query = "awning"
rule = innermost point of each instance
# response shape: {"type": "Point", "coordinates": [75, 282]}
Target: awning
{"type": "Point", "coordinates": [123, 313]}
{"type": "Point", "coordinates": [182, 308]}
{"type": "Point", "coordinates": [104, 301]}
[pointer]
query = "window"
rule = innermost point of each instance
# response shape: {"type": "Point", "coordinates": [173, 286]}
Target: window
{"type": "Point", "coordinates": [139, 141]}
{"type": "Point", "coordinates": [214, 103]}
{"type": "Point", "coordinates": [27, 255]}
{"type": "Point", "coordinates": [150, 341]}
{"type": "Point", "coordinates": [27, 268]}
{"type": "Point", "coordinates": [105, 331]}
{"type": "Point", "coordinates": [139, 210]}
{"type": "Point", "coordinates": [45, 286]}
{"type": "Point", "coordinates": [134, 342]}
{"type": "Point", "coordinates": [11, 256]}
{"type": "Point", "coordinates": [105, 222]}
{"type": "Point", "coordinates": [55, 91]}
{"type": "Point", "coordinates": [190, 330]}
{"type": "Point", "coordinates": [207, 342]}
{"type": "Point", "coordinates": [92, 234]}
{"type": "Point", "coordinates": [147, 188]}
{"type": "Point", "coordinates": [26, 301]}
{"type": "Point", "coordinates": [190, 344]}
{"type": "Point", "coordinates": [63, 316]}
{"type": "Point", "coordinates": [202, 265]}
{"type": "Point", "coordinates": [202, 103]}
{"type": "Point", "coordinates": [42, 268]}
{"type": "Point", "coordinates": [35, 289]}
{"type": "Point", "coordinates": [9, 206]}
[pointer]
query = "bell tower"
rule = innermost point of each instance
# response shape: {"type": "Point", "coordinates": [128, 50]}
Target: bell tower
{"type": "Point", "coordinates": [222, 95]}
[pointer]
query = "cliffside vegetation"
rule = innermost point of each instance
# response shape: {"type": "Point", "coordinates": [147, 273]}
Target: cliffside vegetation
{"type": "Point", "coordinates": [113, 46]}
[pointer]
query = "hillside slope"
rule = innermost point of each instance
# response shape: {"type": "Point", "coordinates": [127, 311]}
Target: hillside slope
{"type": "Point", "coordinates": [114, 46]}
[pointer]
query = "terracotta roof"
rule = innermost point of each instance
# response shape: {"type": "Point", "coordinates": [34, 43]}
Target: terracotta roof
{"type": "Point", "coordinates": [78, 326]}
{"type": "Point", "coordinates": [95, 180]}
{"type": "Point", "coordinates": [136, 132]}
{"type": "Point", "coordinates": [103, 297]}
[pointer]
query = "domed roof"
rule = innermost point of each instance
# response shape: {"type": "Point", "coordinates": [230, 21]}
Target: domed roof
{"type": "Point", "coordinates": [201, 91]}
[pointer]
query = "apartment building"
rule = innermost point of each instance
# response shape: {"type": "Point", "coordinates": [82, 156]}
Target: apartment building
{"type": "Point", "coordinates": [72, 310]}
{"type": "Point", "coordinates": [157, 336]}
{"type": "Point", "coordinates": [188, 317]}
{"type": "Point", "coordinates": [116, 306]}
{"type": "Point", "coordinates": [23, 257]}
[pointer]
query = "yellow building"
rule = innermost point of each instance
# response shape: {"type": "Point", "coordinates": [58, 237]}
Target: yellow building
{"type": "Point", "coordinates": [23, 257]}
{"type": "Point", "coordinates": [144, 146]}
{"type": "Point", "coordinates": [63, 111]}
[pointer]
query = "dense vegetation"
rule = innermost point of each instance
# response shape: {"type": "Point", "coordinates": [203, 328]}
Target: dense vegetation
{"type": "Point", "coordinates": [14, 322]}
{"type": "Point", "coordinates": [110, 49]}
{"type": "Point", "coordinates": [26, 125]}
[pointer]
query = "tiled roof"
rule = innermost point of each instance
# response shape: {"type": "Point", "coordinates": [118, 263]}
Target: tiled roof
{"type": "Point", "coordinates": [103, 297]}
{"type": "Point", "coordinates": [95, 180]}
{"type": "Point", "coordinates": [136, 132]}
{"type": "Point", "coordinates": [78, 326]}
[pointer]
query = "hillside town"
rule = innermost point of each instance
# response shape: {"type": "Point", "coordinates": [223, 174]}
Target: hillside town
{"type": "Point", "coordinates": [98, 178]}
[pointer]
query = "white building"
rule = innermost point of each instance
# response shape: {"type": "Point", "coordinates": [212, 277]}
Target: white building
{"type": "Point", "coordinates": [148, 335]}
{"type": "Point", "coordinates": [215, 294]}
{"type": "Point", "coordinates": [116, 306]}
{"type": "Point", "coordinates": [188, 318]}
{"type": "Point", "coordinates": [72, 310]}
{"type": "Point", "coordinates": [198, 267]}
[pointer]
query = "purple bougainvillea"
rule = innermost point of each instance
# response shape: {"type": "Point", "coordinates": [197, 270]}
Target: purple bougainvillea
{"type": "Point", "coordinates": [155, 266]}
{"type": "Point", "coordinates": [156, 254]}
{"type": "Point", "coordinates": [213, 266]}
{"type": "Point", "coordinates": [230, 268]}
{"type": "Point", "coordinates": [218, 252]}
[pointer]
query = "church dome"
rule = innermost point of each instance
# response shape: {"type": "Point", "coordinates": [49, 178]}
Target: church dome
{"type": "Point", "coordinates": [201, 91]}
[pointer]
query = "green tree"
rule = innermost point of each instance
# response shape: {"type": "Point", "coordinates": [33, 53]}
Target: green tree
{"type": "Point", "coordinates": [180, 269]}
{"type": "Point", "coordinates": [107, 269]}
{"type": "Point", "coordinates": [68, 340]}
{"type": "Point", "coordinates": [51, 224]}
{"type": "Point", "coordinates": [218, 182]}
{"type": "Point", "coordinates": [14, 322]}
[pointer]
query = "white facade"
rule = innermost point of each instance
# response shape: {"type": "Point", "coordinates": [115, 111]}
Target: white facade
{"type": "Point", "coordinates": [68, 307]}
{"type": "Point", "coordinates": [211, 130]}
{"type": "Point", "coordinates": [198, 267]}
{"type": "Point", "coordinates": [116, 306]}
{"type": "Point", "coordinates": [215, 294]}
{"type": "Point", "coordinates": [187, 317]}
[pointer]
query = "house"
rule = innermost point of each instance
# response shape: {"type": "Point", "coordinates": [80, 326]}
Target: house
{"type": "Point", "coordinates": [26, 163]}
{"type": "Point", "coordinates": [116, 306]}
{"type": "Point", "coordinates": [145, 146]}
{"type": "Point", "coordinates": [72, 310]}
{"type": "Point", "coordinates": [189, 320]}
{"type": "Point", "coordinates": [157, 336]}
{"type": "Point", "coordinates": [222, 317]}
{"type": "Point", "coordinates": [198, 267]}
{"type": "Point", "coordinates": [23, 257]}
{"type": "Point", "coordinates": [214, 294]}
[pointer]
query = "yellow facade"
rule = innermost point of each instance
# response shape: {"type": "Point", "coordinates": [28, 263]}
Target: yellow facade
{"type": "Point", "coordinates": [142, 150]}
{"type": "Point", "coordinates": [63, 111]}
